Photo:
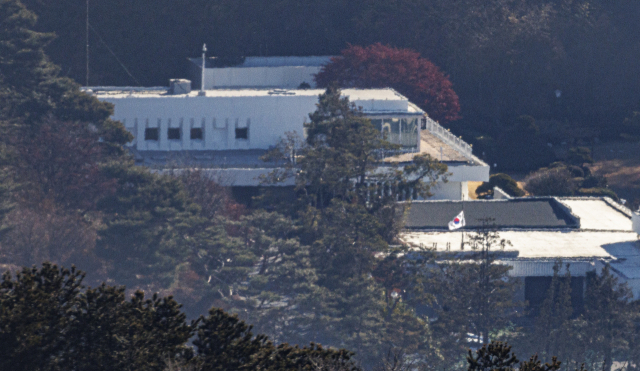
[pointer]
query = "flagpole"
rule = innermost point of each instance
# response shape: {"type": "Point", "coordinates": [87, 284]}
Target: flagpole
{"type": "Point", "coordinates": [462, 242]}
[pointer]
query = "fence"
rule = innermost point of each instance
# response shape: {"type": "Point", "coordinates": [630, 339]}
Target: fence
{"type": "Point", "coordinates": [446, 136]}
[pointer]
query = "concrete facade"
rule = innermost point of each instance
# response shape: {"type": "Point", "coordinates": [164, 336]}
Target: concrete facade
{"type": "Point", "coordinates": [267, 115]}
{"type": "Point", "coordinates": [262, 72]}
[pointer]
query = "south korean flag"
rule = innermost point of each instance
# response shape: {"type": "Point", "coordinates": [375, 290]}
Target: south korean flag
{"type": "Point", "coordinates": [457, 222]}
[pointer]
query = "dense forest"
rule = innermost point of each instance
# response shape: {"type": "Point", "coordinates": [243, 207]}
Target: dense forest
{"type": "Point", "coordinates": [321, 265]}
{"type": "Point", "coordinates": [570, 61]}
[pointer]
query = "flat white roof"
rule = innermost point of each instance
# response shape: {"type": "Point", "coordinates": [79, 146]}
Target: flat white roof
{"type": "Point", "coordinates": [546, 245]}
{"type": "Point", "coordinates": [598, 214]}
{"type": "Point", "coordinates": [353, 94]}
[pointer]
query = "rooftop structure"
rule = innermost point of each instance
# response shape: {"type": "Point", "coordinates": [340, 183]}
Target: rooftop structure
{"type": "Point", "coordinates": [258, 72]}
{"type": "Point", "coordinates": [584, 232]}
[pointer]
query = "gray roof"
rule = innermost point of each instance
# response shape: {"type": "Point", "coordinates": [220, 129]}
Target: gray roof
{"type": "Point", "coordinates": [532, 213]}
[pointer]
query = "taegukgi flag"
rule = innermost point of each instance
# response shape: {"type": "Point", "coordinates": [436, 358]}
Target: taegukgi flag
{"type": "Point", "coordinates": [457, 222]}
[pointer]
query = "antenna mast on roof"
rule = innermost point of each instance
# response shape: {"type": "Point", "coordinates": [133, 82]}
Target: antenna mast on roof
{"type": "Point", "coordinates": [87, 33]}
{"type": "Point", "coordinates": [204, 51]}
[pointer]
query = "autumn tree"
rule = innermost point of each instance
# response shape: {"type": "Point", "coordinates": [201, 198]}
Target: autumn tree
{"type": "Point", "coordinates": [381, 66]}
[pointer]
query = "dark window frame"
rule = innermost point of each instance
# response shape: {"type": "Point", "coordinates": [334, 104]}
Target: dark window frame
{"type": "Point", "coordinates": [199, 134]}
{"type": "Point", "coordinates": [171, 134]}
{"type": "Point", "coordinates": [152, 134]}
{"type": "Point", "coordinates": [242, 133]}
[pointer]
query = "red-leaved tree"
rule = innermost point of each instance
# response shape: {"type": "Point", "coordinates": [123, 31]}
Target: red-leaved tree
{"type": "Point", "coordinates": [381, 66]}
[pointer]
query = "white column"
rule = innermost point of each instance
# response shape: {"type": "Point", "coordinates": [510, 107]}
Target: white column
{"type": "Point", "coordinates": [162, 135]}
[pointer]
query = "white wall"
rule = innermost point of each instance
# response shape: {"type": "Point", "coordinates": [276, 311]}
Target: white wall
{"type": "Point", "coordinates": [267, 117]}
{"type": "Point", "coordinates": [448, 191]}
{"type": "Point", "coordinates": [474, 173]}
{"type": "Point", "coordinates": [282, 77]}
{"type": "Point", "coordinates": [499, 194]}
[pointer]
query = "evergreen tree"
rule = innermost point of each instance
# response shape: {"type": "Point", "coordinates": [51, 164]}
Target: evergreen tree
{"type": "Point", "coordinates": [347, 197]}
{"type": "Point", "coordinates": [496, 356]}
{"type": "Point", "coordinates": [49, 321]}
{"type": "Point", "coordinates": [474, 294]}
{"type": "Point", "coordinates": [225, 343]}
{"type": "Point", "coordinates": [148, 223]}
{"type": "Point", "coordinates": [347, 210]}
{"type": "Point", "coordinates": [608, 317]}
{"type": "Point", "coordinates": [552, 334]}
{"type": "Point", "coordinates": [30, 87]}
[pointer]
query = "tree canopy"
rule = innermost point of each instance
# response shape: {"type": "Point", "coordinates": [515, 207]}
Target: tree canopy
{"type": "Point", "coordinates": [381, 66]}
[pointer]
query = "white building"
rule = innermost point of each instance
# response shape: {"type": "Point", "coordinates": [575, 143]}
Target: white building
{"type": "Point", "coordinates": [225, 128]}
{"type": "Point", "coordinates": [584, 232]}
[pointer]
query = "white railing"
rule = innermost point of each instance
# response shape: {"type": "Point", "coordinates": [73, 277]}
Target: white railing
{"type": "Point", "coordinates": [450, 139]}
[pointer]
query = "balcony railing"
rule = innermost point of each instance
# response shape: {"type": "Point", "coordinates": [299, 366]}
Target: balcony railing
{"type": "Point", "coordinates": [450, 139]}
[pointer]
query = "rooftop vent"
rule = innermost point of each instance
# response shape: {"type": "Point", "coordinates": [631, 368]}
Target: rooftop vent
{"type": "Point", "coordinates": [179, 86]}
{"type": "Point", "coordinates": [281, 92]}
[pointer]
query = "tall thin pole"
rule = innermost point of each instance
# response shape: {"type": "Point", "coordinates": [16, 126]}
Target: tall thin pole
{"type": "Point", "coordinates": [462, 229]}
{"type": "Point", "coordinates": [87, 34]}
{"type": "Point", "coordinates": [204, 51]}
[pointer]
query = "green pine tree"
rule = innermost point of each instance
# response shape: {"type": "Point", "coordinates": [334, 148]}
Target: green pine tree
{"type": "Point", "coordinates": [609, 316]}
{"type": "Point", "coordinates": [552, 333]}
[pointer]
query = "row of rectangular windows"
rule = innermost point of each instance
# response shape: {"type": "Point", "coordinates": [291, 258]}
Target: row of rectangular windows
{"type": "Point", "coordinates": [196, 133]}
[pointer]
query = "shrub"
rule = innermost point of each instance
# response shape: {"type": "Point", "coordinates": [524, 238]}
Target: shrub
{"type": "Point", "coordinates": [579, 156]}
{"type": "Point", "coordinates": [504, 182]}
{"type": "Point", "coordinates": [594, 181]}
{"type": "Point", "coordinates": [550, 182]}
{"type": "Point", "coordinates": [576, 171]}
{"type": "Point", "coordinates": [597, 192]}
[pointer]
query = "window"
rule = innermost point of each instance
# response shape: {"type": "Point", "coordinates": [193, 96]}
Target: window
{"type": "Point", "coordinates": [151, 134]}
{"type": "Point", "coordinates": [173, 133]}
{"type": "Point", "coordinates": [196, 133]}
{"type": "Point", "coordinates": [242, 133]}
